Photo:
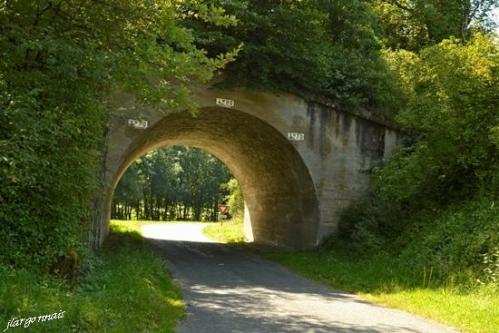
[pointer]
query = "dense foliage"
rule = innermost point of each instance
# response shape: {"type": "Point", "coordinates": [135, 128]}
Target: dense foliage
{"type": "Point", "coordinates": [318, 47]}
{"type": "Point", "coordinates": [235, 199]}
{"type": "Point", "coordinates": [441, 190]}
{"type": "Point", "coordinates": [415, 24]}
{"type": "Point", "coordinates": [431, 66]}
{"type": "Point", "coordinates": [452, 114]}
{"type": "Point", "coordinates": [174, 183]}
{"type": "Point", "coordinates": [58, 62]}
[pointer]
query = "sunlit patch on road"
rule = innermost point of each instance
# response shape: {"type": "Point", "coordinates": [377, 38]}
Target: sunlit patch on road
{"type": "Point", "coordinates": [188, 232]}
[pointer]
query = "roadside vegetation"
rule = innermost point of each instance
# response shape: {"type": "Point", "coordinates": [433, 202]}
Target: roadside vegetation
{"type": "Point", "coordinates": [226, 232]}
{"type": "Point", "coordinates": [426, 237]}
{"type": "Point", "coordinates": [124, 288]}
{"type": "Point", "coordinates": [60, 61]}
{"type": "Point", "coordinates": [229, 231]}
{"type": "Point", "coordinates": [429, 229]}
{"type": "Point", "coordinates": [421, 278]}
{"type": "Point", "coordinates": [390, 281]}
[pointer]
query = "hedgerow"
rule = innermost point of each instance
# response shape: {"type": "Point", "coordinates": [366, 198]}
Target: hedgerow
{"type": "Point", "coordinates": [59, 61]}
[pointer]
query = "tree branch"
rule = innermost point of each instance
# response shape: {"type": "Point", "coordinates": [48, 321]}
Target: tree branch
{"type": "Point", "coordinates": [397, 3]}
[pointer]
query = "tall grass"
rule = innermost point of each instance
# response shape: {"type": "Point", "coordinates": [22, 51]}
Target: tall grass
{"type": "Point", "coordinates": [125, 288]}
{"type": "Point", "coordinates": [226, 232]}
{"type": "Point", "coordinates": [383, 280]}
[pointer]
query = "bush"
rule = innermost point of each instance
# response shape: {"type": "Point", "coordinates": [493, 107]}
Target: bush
{"type": "Point", "coordinates": [491, 267]}
{"type": "Point", "coordinates": [369, 226]}
{"type": "Point", "coordinates": [124, 288]}
{"type": "Point", "coordinates": [452, 114]}
{"type": "Point", "coordinates": [457, 242]}
{"type": "Point", "coordinates": [433, 204]}
{"type": "Point", "coordinates": [460, 242]}
{"type": "Point", "coordinates": [235, 199]}
{"type": "Point", "coordinates": [58, 64]}
{"type": "Point", "coordinates": [43, 211]}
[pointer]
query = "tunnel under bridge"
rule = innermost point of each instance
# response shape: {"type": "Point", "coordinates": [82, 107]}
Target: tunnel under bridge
{"type": "Point", "coordinates": [299, 163]}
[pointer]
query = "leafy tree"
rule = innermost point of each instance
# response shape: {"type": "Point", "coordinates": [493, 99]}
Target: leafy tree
{"type": "Point", "coordinates": [452, 113]}
{"type": "Point", "coordinates": [235, 198]}
{"type": "Point", "coordinates": [307, 47]}
{"type": "Point", "coordinates": [177, 183]}
{"type": "Point", "coordinates": [59, 60]}
{"type": "Point", "coordinates": [415, 24]}
{"type": "Point", "coordinates": [129, 193]}
{"type": "Point", "coordinates": [435, 201]}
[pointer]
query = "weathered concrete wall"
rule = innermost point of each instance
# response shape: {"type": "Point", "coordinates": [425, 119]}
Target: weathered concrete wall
{"type": "Point", "coordinates": [294, 190]}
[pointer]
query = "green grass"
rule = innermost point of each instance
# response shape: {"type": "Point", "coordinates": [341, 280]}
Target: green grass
{"type": "Point", "coordinates": [134, 225]}
{"type": "Point", "coordinates": [125, 289]}
{"type": "Point", "coordinates": [226, 232]}
{"type": "Point", "coordinates": [379, 280]}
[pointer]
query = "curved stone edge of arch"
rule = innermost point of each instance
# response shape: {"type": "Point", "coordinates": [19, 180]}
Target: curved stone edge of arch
{"type": "Point", "coordinates": [336, 150]}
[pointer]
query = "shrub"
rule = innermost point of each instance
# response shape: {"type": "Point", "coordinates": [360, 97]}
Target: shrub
{"type": "Point", "coordinates": [58, 64]}
{"type": "Point", "coordinates": [368, 226]}
{"type": "Point", "coordinates": [433, 204]}
{"type": "Point", "coordinates": [460, 241]}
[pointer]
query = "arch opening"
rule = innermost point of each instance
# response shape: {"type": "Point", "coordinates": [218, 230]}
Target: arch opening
{"type": "Point", "coordinates": [177, 183]}
{"type": "Point", "coordinates": [281, 206]}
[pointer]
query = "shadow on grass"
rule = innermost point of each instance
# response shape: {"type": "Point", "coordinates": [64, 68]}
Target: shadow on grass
{"type": "Point", "coordinates": [378, 274]}
{"type": "Point", "coordinates": [125, 288]}
{"type": "Point", "coordinates": [119, 238]}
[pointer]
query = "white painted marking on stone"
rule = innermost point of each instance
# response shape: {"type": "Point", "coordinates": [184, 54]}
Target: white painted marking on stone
{"type": "Point", "coordinates": [138, 124]}
{"type": "Point", "coordinates": [295, 136]}
{"type": "Point", "coordinates": [226, 103]}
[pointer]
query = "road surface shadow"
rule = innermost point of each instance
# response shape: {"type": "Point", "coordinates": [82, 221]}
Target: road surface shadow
{"type": "Point", "coordinates": [229, 290]}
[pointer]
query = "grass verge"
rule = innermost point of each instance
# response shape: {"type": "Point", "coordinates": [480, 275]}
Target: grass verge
{"type": "Point", "coordinates": [380, 280]}
{"type": "Point", "coordinates": [125, 288]}
{"type": "Point", "coordinates": [226, 232]}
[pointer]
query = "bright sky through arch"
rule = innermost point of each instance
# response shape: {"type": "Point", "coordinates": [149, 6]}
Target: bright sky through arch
{"type": "Point", "coordinates": [495, 15]}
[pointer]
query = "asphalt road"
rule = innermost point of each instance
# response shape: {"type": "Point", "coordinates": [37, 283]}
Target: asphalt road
{"type": "Point", "coordinates": [228, 290]}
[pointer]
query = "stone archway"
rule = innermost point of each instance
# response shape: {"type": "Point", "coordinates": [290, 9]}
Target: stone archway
{"type": "Point", "coordinates": [281, 206]}
{"type": "Point", "coordinates": [299, 163]}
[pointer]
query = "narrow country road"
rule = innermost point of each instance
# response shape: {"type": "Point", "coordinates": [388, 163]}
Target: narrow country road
{"type": "Point", "coordinates": [228, 290]}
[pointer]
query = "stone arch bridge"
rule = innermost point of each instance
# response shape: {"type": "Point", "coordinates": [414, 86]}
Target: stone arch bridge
{"type": "Point", "coordinates": [298, 163]}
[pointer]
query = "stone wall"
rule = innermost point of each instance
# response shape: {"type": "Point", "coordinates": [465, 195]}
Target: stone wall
{"type": "Point", "coordinates": [299, 164]}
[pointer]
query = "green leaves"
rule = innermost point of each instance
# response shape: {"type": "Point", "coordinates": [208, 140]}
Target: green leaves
{"type": "Point", "coordinates": [170, 183]}
{"type": "Point", "coordinates": [58, 62]}
{"type": "Point", "coordinates": [304, 47]}
{"type": "Point", "coordinates": [235, 198]}
{"type": "Point", "coordinates": [494, 135]}
{"type": "Point", "coordinates": [434, 202]}
{"type": "Point", "coordinates": [452, 109]}
{"type": "Point", "coordinates": [416, 24]}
